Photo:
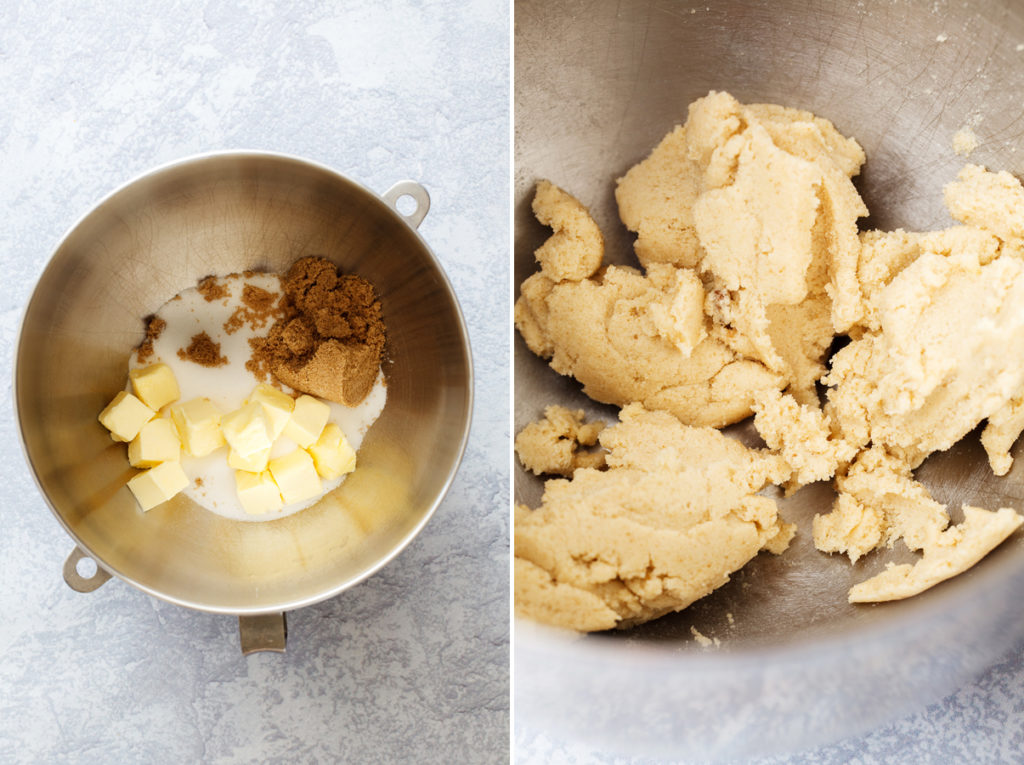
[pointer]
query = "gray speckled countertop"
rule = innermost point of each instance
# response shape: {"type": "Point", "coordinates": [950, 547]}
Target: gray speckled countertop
{"type": "Point", "coordinates": [409, 666]}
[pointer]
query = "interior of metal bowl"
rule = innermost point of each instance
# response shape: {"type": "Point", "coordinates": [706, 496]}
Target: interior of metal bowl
{"type": "Point", "coordinates": [597, 85]}
{"type": "Point", "coordinates": [160, 234]}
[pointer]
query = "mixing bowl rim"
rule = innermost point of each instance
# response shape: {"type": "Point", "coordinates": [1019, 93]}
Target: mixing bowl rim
{"type": "Point", "coordinates": [462, 331]}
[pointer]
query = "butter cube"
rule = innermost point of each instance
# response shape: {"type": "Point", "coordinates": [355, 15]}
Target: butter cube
{"type": "Point", "coordinates": [257, 492]}
{"type": "Point", "coordinates": [254, 463]}
{"type": "Point", "coordinates": [277, 406]}
{"type": "Point", "coordinates": [332, 454]}
{"type": "Point", "coordinates": [247, 430]}
{"type": "Point", "coordinates": [198, 424]}
{"type": "Point", "coordinates": [125, 416]}
{"type": "Point", "coordinates": [155, 385]}
{"type": "Point", "coordinates": [307, 421]}
{"type": "Point", "coordinates": [159, 484]}
{"type": "Point", "coordinates": [296, 477]}
{"type": "Point", "coordinates": [157, 442]}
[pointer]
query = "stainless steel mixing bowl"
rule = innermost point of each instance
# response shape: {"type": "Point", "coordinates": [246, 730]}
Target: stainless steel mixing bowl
{"type": "Point", "coordinates": [158, 235]}
{"type": "Point", "coordinates": [596, 86]}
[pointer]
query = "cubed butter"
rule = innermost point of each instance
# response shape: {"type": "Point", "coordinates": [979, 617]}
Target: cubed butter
{"type": "Point", "coordinates": [157, 442]}
{"type": "Point", "coordinates": [332, 454]}
{"type": "Point", "coordinates": [277, 405]}
{"type": "Point", "coordinates": [257, 492]}
{"type": "Point", "coordinates": [159, 484]}
{"type": "Point", "coordinates": [254, 463]}
{"type": "Point", "coordinates": [247, 430]}
{"type": "Point", "coordinates": [307, 421]}
{"type": "Point", "coordinates": [198, 424]}
{"type": "Point", "coordinates": [296, 476]}
{"type": "Point", "coordinates": [125, 416]}
{"type": "Point", "coordinates": [155, 385]}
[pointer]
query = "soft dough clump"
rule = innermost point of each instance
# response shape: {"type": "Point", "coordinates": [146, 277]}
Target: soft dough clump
{"type": "Point", "coordinates": [610, 334]}
{"type": "Point", "coordinates": [576, 248]}
{"type": "Point", "coordinates": [758, 200]}
{"type": "Point", "coordinates": [674, 515]}
{"type": "Point", "coordinates": [746, 223]}
{"type": "Point", "coordinates": [803, 436]}
{"type": "Point", "coordinates": [938, 353]}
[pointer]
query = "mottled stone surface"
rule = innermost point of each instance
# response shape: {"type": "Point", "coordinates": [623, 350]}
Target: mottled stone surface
{"type": "Point", "coordinates": [409, 666]}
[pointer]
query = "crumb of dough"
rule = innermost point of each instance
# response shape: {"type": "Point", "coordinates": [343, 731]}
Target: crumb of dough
{"type": "Point", "coordinates": [779, 542]}
{"type": "Point", "coordinates": [955, 551]}
{"type": "Point", "coordinates": [619, 547]}
{"type": "Point", "coordinates": [1002, 431]}
{"type": "Point", "coordinates": [879, 502]}
{"type": "Point", "coordinates": [576, 248]}
{"type": "Point", "coordinates": [551, 445]}
{"type": "Point", "coordinates": [743, 289]}
{"type": "Point", "coordinates": [851, 527]}
{"type": "Point", "coordinates": [990, 201]}
{"type": "Point", "coordinates": [803, 436]}
{"type": "Point", "coordinates": [703, 640]}
{"type": "Point", "coordinates": [965, 141]}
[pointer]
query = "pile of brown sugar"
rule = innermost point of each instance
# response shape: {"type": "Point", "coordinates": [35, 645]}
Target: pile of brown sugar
{"type": "Point", "coordinates": [212, 289]}
{"type": "Point", "coordinates": [203, 351]}
{"type": "Point", "coordinates": [258, 307]}
{"type": "Point", "coordinates": [330, 341]}
{"type": "Point", "coordinates": [154, 326]}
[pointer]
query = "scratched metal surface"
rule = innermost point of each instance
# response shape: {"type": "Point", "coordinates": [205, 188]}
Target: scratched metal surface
{"type": "Point", "coordinates": [596, 86]}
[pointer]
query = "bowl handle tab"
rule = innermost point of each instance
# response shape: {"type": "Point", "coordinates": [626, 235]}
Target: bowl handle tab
{"type": "Point", "coordinates": [77, 581]}
{"type": "Point", "coordinates": [418, 194]}
{"type": "Point", "coordinates": [263, 632]}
